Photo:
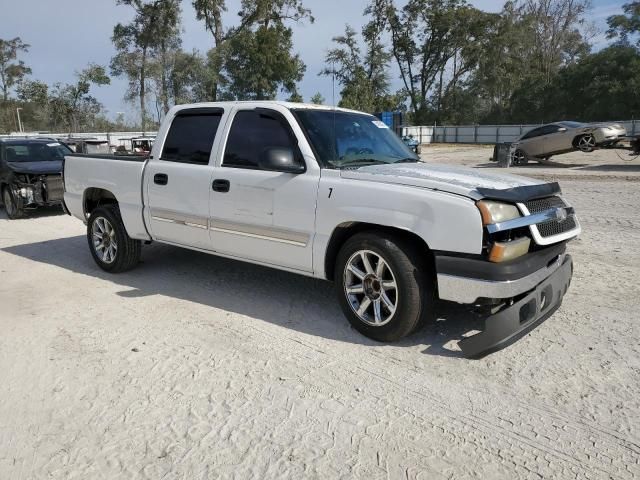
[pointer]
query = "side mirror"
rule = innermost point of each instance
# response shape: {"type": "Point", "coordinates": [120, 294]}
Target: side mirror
{"type": "Point", "coordinates": [280, 159]}
{"type": "Point", "coordinates": [562, 129]}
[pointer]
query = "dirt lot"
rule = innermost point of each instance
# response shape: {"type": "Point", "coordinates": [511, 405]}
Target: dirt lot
{"type": "Point", "coordinates": [193, 367]}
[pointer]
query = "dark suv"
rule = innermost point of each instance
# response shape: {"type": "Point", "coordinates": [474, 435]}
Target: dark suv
{"type": "Point", "coordinates": [30, 173]}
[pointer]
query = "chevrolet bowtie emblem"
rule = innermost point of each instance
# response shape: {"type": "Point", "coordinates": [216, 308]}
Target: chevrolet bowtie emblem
{"type": "Point", "coordinates": [561, 214]}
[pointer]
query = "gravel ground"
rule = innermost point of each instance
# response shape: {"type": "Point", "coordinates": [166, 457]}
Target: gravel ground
{"type": "Point", "coordinates": [194, 367]}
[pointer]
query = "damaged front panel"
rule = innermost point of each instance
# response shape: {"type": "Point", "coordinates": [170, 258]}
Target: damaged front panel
{"type": "Point", "coordinates": [38, 190]}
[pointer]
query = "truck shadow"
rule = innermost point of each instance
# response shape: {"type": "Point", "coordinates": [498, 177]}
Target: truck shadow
{"type": "Point", "coordinates": [292, 301]}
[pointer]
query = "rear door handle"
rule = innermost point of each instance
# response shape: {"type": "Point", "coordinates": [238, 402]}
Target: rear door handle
{"type": "Point", "coordinates": [160, 179]}
{"type": "Point", "coordinates": [220, 185]}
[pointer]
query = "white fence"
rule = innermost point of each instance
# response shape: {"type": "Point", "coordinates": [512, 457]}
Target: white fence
{"type": "Point", "coordinates": [487, 134]}
{"type": "Point", "coordinates": [114, 138]}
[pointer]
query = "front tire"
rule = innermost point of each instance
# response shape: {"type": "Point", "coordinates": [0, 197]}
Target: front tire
{"type": "Point", "coordinates": [110, 245]}
{"type": "Point", "coordinates": [586, 143]}
{"type": "Point", "coordinates": [13, 206]}
{"type": "Point", "coordinates": [384, 286]}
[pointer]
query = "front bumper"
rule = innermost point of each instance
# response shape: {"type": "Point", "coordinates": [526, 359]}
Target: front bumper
{"type": "Point", "coordinates": [514, 321]}
{"type": "Point", "coordinates": [466, 280]}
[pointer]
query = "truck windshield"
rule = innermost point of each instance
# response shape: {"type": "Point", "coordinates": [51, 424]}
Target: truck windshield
{"type": "Point", "coordinates": [345, 139]}
{"type": "Point", "coordinates": [35, 152]}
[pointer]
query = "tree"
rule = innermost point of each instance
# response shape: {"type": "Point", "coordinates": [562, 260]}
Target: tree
{"type": "Point", "coordinates": [166, 46]}
{"type": "Point", "coordinates": [318, 99]}
{"type": "Point", "coordinates": [71, 104]}
{"type": "Point", "coordinates": [500, 69]}
{"type": "Point", "coordinates": [267, 15]}
{"type": "Point", "coordinates": [188, 78]}
{"type": "Point", "coordinates": [210, 11]}
{"type": "Point", "coordinates": [12, 70]}
{"type": "Point", "coordinates": [364, 77]}
{"type": "Point", "coordinates": [295, 97]}
{"type": "Point", "coordinates": [154, 27]}
{"type": "Point", "coordinates": [625, 26]}
{"type": "Point", "coordinates": [553, 28]}
{"type": "Point", "coordinates": [426, 36]}
{"type": "Point", "coordinates": [260, 62]}
{"type": "Point", "coordinates": [602, 86]}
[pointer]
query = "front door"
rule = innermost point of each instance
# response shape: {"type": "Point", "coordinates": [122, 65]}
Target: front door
{"type": "Point", "coordinates": [261, 215]}
{"type": "Point", "coordinates": [178, 183]}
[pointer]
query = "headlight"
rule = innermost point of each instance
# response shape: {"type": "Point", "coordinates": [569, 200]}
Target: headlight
{"type": "Point", "coordinates": [496, 212]}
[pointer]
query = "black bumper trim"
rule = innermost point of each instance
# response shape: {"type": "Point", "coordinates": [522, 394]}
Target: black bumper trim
{"type": "Point", "coordinates": [513, 322]}
{"type": "Point", "coordinates": [498, 272]}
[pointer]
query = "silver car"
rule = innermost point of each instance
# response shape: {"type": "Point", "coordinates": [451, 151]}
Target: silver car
{"type": "Point", "coordinates": [562, 137]}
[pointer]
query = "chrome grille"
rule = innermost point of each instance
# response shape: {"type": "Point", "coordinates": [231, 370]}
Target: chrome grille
{"type": "Point", "coordinates": [552, 227]}
{"type": "Point", "coordinates": [549, 229]}
{"type": "Point", "coordinates": [542, 204]}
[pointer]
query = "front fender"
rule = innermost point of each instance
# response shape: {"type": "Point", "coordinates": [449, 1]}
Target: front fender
{"type": "Point", "coordinates": [444, 221]}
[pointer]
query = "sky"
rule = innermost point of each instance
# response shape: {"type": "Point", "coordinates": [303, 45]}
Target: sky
{"type": "Point", "coordinates": [66, 35]}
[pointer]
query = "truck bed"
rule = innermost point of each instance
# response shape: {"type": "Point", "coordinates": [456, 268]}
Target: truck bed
{"type": "Point", "coordinates": [119, 174]}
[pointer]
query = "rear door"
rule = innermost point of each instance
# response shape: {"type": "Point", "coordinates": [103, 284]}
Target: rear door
{"type": "Point", "coordinates": [531, 142]}
{"type": "Point", "coordinates": [178, 182]}
{"type": "Point", "coordinates": [554, 139]}
{"type": "Point", "coordinates": [260, 215]}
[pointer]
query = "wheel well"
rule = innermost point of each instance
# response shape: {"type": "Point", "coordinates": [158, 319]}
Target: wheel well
{"type": "Point", "coordinates": [344, 231]}
{"type": "Point", "coordinates": [95, 197]}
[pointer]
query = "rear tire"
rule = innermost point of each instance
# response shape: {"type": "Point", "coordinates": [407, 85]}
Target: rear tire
{"type": "Point", "coordinates": [13, 206]}
{"type": "Point", "coordinates": [389, 300]}
{"type": "Point", "coordinates": [110, 245]}
{"type": "Point", "coordinates": [520, 157]}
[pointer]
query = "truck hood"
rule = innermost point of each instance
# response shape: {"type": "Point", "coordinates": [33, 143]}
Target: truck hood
{"type": "Point", "coordinates": [459, 180]}
{"type": "Point", "coordinates": [36, 168]}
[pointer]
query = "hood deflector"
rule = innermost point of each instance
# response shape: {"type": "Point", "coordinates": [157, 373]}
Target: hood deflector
{"type": "Point", "coordinates": [520, 194]}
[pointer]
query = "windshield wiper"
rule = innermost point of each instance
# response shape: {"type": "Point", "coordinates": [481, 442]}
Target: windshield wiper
{"type": "Point", "coordinates": [362, 162]}
{"type": "Point", "coordinates": [408, 160]}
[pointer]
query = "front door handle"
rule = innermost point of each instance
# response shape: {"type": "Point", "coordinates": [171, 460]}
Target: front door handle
{"type": "Point", "coordinates": [160, 179]}
{"type": "Point", "coordinates": [220, 185]}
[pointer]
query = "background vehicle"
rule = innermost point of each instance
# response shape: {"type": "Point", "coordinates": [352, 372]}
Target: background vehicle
{"type": "Point", "coordinates": [334, 194]}
{"type": "Point", "coordinates": [135, 145]}
{"type": "Point", "coordinates": [30, 173]}
{"type": "Point", "coordinates": [412, 143]}
{"type": "Point", "coordinates": [87, 145]}
{"type": "Point", "coordinates": [563, 137]}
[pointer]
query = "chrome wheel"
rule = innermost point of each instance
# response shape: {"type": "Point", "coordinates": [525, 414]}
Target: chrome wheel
{"type": "Point", "coordinates": [104, 240]}
{"type": "Point", "coordinates": [587, 143]}
{"type": "Point", "coordinates": [370, 287]}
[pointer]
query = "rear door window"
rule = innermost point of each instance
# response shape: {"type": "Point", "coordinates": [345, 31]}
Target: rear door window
{"type": "Point", "coordinates": [536, 132]}
{"type": "Point", "coordinates": [191, 135]}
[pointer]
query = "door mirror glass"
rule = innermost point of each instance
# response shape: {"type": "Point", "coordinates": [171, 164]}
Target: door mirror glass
{"type": "Point", "coordinates": [280, 159]}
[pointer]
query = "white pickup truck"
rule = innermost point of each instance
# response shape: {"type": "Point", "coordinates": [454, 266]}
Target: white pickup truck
{"type": "Point", "coordinates": [334, 194]}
